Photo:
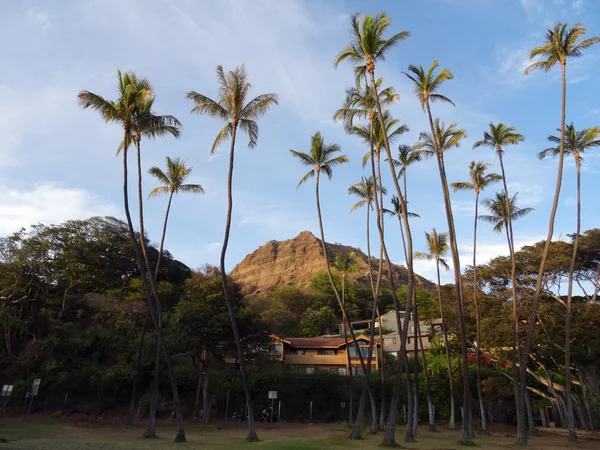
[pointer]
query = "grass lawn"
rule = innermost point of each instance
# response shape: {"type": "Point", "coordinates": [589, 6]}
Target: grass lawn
{"type": "Point", "coordinates": [44, 434]}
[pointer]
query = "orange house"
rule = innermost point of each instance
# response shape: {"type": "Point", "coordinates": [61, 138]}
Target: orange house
{"type": "Point", "coordinates": [320, 353]}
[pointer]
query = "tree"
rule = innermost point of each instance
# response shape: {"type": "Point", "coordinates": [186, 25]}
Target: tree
{"type": "Point", "coordinates": [561, 44]}
{"type": "Point", "coordinates": [437, 247]}
{"type": "Point", "coordinates": [232, 108]}
{"type": "Point", "coordinates": [439, 140]}
{"type": "Point", "coordinates": [131, 107]}
{"type": "Point", "coordinates": [344, 264]}
{"type": "Point", "coordinates": [173, 182]}
{"type": "Point", "coordinates": [479, 181]}
{"type": "Point", "coordinates": [367, 47]}
{"type": "Point", "coordinates": [575, 143]}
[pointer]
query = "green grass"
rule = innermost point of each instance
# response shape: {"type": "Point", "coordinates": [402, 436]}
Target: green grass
{"type": "Point", "coordinates": [42, 434]}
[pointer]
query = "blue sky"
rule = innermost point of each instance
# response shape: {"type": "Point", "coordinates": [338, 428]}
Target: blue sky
{"type": "Point", "coordinates": [58, 161]}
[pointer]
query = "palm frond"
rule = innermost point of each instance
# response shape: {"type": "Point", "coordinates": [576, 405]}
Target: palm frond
{"type": "Point", "coordinates": [222, 136]}
{"type": "Point", "coordinates": [206, 106]}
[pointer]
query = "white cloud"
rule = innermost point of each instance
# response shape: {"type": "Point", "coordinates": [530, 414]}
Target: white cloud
{"type": "Point", "coordinates": [41, 18]}
{"type": "Point", "coordinates": [48, 203]}
{"type": "Point", "coordinates": [214, 246]}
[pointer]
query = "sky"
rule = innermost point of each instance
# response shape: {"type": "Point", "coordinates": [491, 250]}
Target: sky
{"type": "Point", "coordinates": [58, 162]}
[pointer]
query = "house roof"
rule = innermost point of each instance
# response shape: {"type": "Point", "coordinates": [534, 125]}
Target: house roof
{"type": "Point", "coordinates": [320, 342]}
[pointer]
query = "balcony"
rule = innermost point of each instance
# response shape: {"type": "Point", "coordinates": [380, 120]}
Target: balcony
{"type": "Point", "coordinates": [316, 360]}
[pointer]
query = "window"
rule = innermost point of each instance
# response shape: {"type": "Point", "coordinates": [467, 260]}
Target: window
{"type": "Point", "coordinates": [326, 351]}
{"type": "Point", "coordinates": [276, 349]}
{"type": "Point", "coordinates": [299, 351]}
{"type": "Point", "coordinates": [364, 351]}
{"type": "Point", "coordinates": [358, 370]}
{"type": "Point", "coordinates": [310, 370]}
{"type": "Point", "coordinates": [393, 340]}
{"type": "Point", "coordinates": [338, 370]}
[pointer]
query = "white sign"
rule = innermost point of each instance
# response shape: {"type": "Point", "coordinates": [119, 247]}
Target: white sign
{"type": "Point", "coordinates": [272, 394]}
{"type": "Point", "coordinates": [7, 390]}
{"type": "Point", "coordinates": [35, 387]}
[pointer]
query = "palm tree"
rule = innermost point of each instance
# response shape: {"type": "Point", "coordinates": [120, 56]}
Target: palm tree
{"type": "Point", "coordinates": [360, 103]}
{"type": "Point", "coordinates": [344, 263]}
{"type": "Point", "coordinates": [498, 137]}
{"type": "Point", "coordinates": [407, 156]}
{"type": "Point", "coordinates": [479, 181]}
{"type": "Point", "coordinates": [499, 213]}
{"type": "Point", "coordinates": [576, 143]}
{"type": "Point", "coordinates": [232, 108]}
{"type": "Point", "coordinates": [148, 124]}
{"type": "Point", "coordinates": [134, 93]}
{"type": "Point", "coordinates": [561, 44]}
{"type": "Point", "coordinates": [426, 86]}
{"type": "Point", "coordinates": [321, 158]}
{"type": "Point", "coordinates": [368, 47]}
{"type": "Point", "coordinates": [173, 182]}
{"type": "Point", "coordinates": [366, 191]}
{"type": "Point", "coordinates": [437, 248]}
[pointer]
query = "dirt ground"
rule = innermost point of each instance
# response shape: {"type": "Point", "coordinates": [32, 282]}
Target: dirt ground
{"type": "Point", "coordinates": [73, 434]}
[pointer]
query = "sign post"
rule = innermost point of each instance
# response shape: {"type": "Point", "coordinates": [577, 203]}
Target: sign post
{"type": "Point", "coordinates": [272, 397]}
{"type": "Point", "coordinates": [6, 393]}
{"type": "Point", "coordinates": [35, 388]}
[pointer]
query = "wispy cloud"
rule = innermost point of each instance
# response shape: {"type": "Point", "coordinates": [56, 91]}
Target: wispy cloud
{"type": "Point", "coordinates": [214, 246]}
{"type": "Point", "coordinates": [48, 203]}
{"type": "Point", "coordinates": [41, 18]}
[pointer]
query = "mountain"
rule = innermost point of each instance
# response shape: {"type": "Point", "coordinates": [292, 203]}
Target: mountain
{"type": "Point", "coordinates": [295, 261]}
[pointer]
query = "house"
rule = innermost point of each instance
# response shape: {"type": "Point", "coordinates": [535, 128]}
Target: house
{"type": "Point", "coordinates": [391, 336]}
{"type": "Point", "coordinates": [324, 353]}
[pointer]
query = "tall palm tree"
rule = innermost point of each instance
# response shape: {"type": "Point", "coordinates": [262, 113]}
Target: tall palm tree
{"type": "Point", "coordinates": [437, 248]}
{"type": "Point", "coordinates": [134, 94]}
{"type": "Point", "coordinates": [479, 181]}
{"type": "Point", "coordinates": [407, 156]}
{"type": "Point", "coordinates": [366, 191]}
{"type": "Point", "coordinates": [149, 125]}
{"type": "Point", "coordinates": [233, 108]}
{"type": "Point", "coordinates": [498, 137]}
{"type": "Point", "coordinates": [561, 44]}
{"type": "Point", "coordinates": [576, 143]}
{"type": "Point", "coordinates": [344, 263]}
{"type": "Point", "coordinates": [500, 214]}
{"type": "Point", "coordinates": [322, 158]}
{"type": "Point", "coordinates": [173, 182]}
{"type": "Point", "coordinates": [360, 103]}
{"type": "Point", "coordinates": [367, 47]}
{"type": "Point", "coordinates": [426, 85]}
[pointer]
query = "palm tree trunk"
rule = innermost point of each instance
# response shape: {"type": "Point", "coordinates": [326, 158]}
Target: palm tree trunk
{"type": "Point", "coordinates": [150, 432]}
{"type": "Point", "coordinates": [416, 403]}
{"type": "Point", "coordinates": [430, 406]}
{"type": "Point", "coordinates": [162, 239]}
{"type": "Point", "coordinates": [154, 292]}
{"type": "Point", "coordinates": [389, 438]}
{"type": "Point", "coordinates": [452, 421]}
{"type": "Point", "coordinates": [252, 436]}
{"type": "Point", "coordinates": [568, 383]}
{"type": "Point", "coordinates": [540, 276]}
{"type": "Point", "coordinates": [521, 413]}
{"type": "Point", "coordinates": [410, 416]}
{"type": "Point", "coordinates": [484, 425]}
{"type": "Point", "coordinates": [151, 296]}
{"type": "Point", "coordinates": [138, 370]}
{"type": "Point", "coordinates": [466, 433]}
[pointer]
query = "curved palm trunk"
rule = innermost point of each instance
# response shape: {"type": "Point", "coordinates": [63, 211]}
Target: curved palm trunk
{"type": "Point", "coordinates": [522, 438]}
{"type": "Point", "coordinates": [162, 239]}
{"type": "Point", "coordinates": [151, 432]}
{"type": "Point", "coordinates": [466, 429]}
{"type": "Point", "coordinates": [252, 435]}
{"type": "Point", "coordinates": [568, 383]}
{"type": "Point", "coordinates": [521, 413]}
{"type": "Point", "coordinates": [484, 426]}
{"type": "Point", "coordinates": [452, 421]}
{"type": "Point", "coordinates": [151, 295]}
{"type": "Point", "coordinates": [389, 438]}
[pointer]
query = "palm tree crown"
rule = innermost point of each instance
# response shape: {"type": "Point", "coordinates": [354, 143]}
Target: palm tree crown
{"type": "Point", "coordinates": [499, 136]}
{"type": "Point", "coordinates": [560, 44]}
{"type": "Point", "coordinates": [397, 209]}
{"type": "Point", "coordinates": [321, 158]}
{"type": "Point", "coordinates": [365, 191]}
{"type": "Point", "coordinates": [426, 84]}
{"type": "Point", "coordinates": [368, 45]}
{"type": "Point", "coordinates": [479, 179]}
{"type": "Point", "coordinates": [133, 93]}
{"type": "Point", "coordinates": [407, 156]}
{"type": "Point", "coordinates": [392, 130]}
{"type": "Point", "coordinates": [344, 263]}
{"type": "Point", "coordinates": [437, 246]}
{"type": "Point", "coordinates": [501, 210]}
{"type": "Point", "coordinates": [231, 105]}
{"type": "Point", "coordinates": [446, 137]}
{"type": "Point", "coordinates": [360, 102]}
{"type": "Point", "coordinates": [576, 142]}
{"type": "Point", "coordinates": [173, 179]}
